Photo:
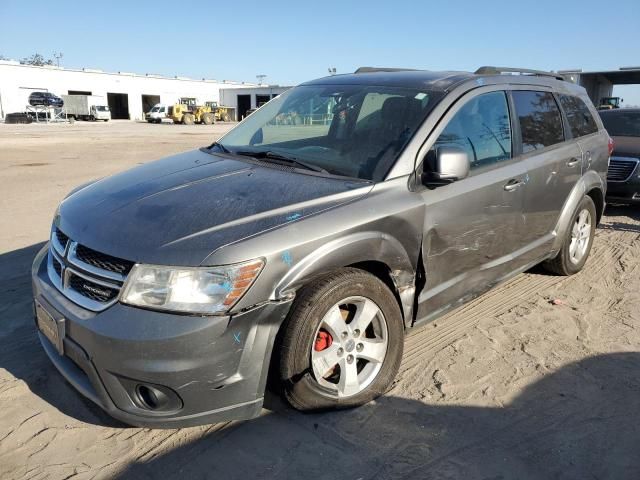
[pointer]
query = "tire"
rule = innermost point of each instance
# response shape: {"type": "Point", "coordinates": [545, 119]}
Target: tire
{"type": "Point", "coordinates": [207, 118]}
{"type": "Point", "coordinates": [308, 323]}
{"type": "Point", "coordinates": [570, 260]}
{"type": "Point", "coordinates": [188, 119]}
{"type": "Point", "coordinates": [226, 117]}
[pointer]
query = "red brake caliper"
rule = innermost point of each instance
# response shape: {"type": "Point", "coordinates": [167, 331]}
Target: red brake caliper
{"type": "Point", "coordinates": [323, 341]}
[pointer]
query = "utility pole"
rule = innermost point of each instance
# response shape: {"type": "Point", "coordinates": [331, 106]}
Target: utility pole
{"type": "Point", "coordinates": [332, 70]}
{"type": "Point", "coordinates": [260, 78]}
{"type": "Point", "coordinates": [58, 56]}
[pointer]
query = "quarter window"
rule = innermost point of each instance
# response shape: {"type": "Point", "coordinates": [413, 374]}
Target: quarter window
{"type": "Point", "coordinates": [540, 120]}
{"type": "Point", "coordinates": [580, 119]}
{"type": "Point", "coordinates": [481, 128]}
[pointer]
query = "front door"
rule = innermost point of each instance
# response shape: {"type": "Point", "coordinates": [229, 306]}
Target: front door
{"type": "Point", "coordinates": [472, 226]}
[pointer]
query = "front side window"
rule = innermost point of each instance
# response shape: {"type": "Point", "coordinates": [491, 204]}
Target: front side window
{"type": "Point", "coordinates": [481, 128]}
{"type": "Point", "coordinates": [580, 119]}
{"type": "Point", "coordinates": [351, 130]}
{"type": "Point", "coordinates": [540, 120]}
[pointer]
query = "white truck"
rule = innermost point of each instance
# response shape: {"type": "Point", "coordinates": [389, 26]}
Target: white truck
{"type": "Point", "coordinates": [158, 112]}
{"type": "Point", "coordinates": [86, 107]}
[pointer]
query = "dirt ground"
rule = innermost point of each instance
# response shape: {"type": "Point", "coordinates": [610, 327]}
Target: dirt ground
{"type": "Point", "coordinates": [511, 385]}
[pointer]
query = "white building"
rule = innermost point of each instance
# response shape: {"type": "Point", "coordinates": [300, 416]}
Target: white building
{"type": "Point", "coordinates": [129, 95]}
{"type": "Point", "coordinates": [242, 99]}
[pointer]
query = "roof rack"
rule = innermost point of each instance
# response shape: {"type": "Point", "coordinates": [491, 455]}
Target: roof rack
{"type": "Point", "coordinates": [488, 70]}
{"type": "Point", "coordinates": [383, 69]}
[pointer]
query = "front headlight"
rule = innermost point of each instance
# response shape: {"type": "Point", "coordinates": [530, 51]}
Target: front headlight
{"type": "Point", "coordinates": [202, 290]}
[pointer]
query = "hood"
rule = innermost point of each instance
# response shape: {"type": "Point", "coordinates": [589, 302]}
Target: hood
{"type": "Point", "coordinates": [626, 146]}
{"type": "Point", "coordinates": [178, 210]}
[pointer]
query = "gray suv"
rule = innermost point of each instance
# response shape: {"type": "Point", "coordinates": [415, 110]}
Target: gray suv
{"type": "Point", "coordinates": [307, 241]}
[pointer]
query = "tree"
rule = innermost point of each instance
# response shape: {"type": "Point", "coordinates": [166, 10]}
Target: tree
{"type": "Point", "coordinates": [36, 59]}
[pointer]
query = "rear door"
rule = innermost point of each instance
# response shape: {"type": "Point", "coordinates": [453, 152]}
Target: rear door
{"type": "Point", "coordinates": [553, 161]}
{"type": "Point", "coordinates": [582, 125]}
{"type": "Point", "coordinates": [472, 226]}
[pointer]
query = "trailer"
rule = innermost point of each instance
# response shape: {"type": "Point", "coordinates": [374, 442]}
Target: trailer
{"type": "Point", "coordinates": [86, 107]}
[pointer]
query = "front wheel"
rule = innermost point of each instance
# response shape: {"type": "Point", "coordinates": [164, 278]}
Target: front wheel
{"type": "Point", "coordinates": [578, 240]}
{"type": "Point", "coordinates": [342, 342]}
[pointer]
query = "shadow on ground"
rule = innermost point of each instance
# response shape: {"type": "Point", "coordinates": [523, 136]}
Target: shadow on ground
{"type": "Point", "coordinates": [20, 351]}
{"type": "Point", "coordinates": [579, 422]}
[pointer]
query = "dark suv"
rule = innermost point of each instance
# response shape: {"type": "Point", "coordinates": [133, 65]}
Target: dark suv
{"type": "Point", "coordinates": [623, 179]}
{"type": "Point", "coordinates": [168, 292]}
{"type": "Point", "coordinates": [45, 99]}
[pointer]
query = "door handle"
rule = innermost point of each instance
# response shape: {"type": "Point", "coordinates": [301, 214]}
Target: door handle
{"type": "Point", "coordinates": [573, 162]}
{"type": "Point", "coordinates": [513, 184]}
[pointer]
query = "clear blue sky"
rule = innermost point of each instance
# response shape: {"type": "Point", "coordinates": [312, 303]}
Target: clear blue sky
{"type": "Point", "coordinates": [293, 41]}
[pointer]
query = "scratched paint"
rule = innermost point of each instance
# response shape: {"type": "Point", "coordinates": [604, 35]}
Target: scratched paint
{"type": "Point", "coordinates": [294, 216]}
{"type": "Point", "coordinates": [237, 337]}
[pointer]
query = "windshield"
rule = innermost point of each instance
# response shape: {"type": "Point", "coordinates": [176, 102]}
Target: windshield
{"type": "Point", "coordinates": [351, 130]}
{"type": "Point", "coordinates": [102, 108]}
{"type": "Point", "coordinates": [155, 109]}
{"type": "Point", "coordinates": [621, 124]}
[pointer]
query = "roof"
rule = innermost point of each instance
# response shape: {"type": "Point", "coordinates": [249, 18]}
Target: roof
{"type": "Point", "coordinates": [398, 78]}
{"type": "Point", "coordinates": [431, 80]}
{"type": "Point", "coordinates": [619, 110]}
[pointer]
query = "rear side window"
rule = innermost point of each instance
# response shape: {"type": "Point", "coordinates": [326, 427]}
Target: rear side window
{"type": "Point", "coordinates": [481, 128]}
{"type": "Point", "coordinates": [580, 119]}
{"type": "Point", "coordinates": [540, 120]}
{"type": "Point", "coordinates": [621, 123]}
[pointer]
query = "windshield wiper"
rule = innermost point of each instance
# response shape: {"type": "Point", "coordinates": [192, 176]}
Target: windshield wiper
{"type": "Point", "coordinates": [279, 158]}
{"type": "Point", "coordinates": [220, 146]}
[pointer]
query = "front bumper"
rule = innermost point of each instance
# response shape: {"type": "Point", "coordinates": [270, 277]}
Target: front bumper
{"type": "Point", "coordinates": [624, 192]}
{"type": "Point", "coordinates": [213, 368]}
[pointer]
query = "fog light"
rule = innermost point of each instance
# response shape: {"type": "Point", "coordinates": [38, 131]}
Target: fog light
{"type": "Point", "coordinates": [151, 397]}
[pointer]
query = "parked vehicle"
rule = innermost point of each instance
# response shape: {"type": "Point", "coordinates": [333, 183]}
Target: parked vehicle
{"type": "Point", "coordinates": [45, 99]}
{"type": "Point", "coordinates": [157, 113]}
{"type": "Point", "coordinates": [220, 112]}
{"type": "Point", "coordinates": [609, 103]}
{"type": "Point", "coordinates": [189, 114]}
{"type": "Point", "coordinates": [86, 107]}
{"type": "Point", "coordinates": [168, 293]}
{"type": "Point", "coordinates": [623, 179]}
{"type": "Point", "coordinates": [18, 117]}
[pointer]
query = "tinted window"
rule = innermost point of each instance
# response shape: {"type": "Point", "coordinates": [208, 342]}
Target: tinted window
{"type": "Point", "coordinates": [621, 124]}
{"type": "Point", "coordinates": [540, 120]}
{"type": "Point", "coordinates": [481, 127]}
{"type": "Point", "coordinates": [580, 119]}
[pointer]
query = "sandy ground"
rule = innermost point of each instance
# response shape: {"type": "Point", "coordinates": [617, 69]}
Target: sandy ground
{"type": "Point", "coordinates": [508, 386]}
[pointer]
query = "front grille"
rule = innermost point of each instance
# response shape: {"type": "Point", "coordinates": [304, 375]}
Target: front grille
{"type": "Point", "coordinates": [103, 261]}
{"type": "Point", "coordinates": [56, 266]}
{"type": "Point", "coordinates": [92, 290]}
{"type": "Point", "coordinates": [62, 238]}
{"type": "Point", "coordinates": [85, 276]}
{"type": "Point", "coordinates": [620, 170]}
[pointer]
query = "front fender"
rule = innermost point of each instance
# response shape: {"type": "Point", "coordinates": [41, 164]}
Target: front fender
{"type": "Point", "coordinates": [587, 182]}
{"type": "Point", "coordinates": [351, 249]}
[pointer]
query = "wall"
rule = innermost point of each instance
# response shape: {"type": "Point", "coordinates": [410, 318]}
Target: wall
{"type": "Point", "coordinates": [18, 81]}
{"type": "Point", "coordinates": [229, 95]}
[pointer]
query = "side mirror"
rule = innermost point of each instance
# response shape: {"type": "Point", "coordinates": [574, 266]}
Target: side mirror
{"type": "Point", "coordinates": [449, 164]}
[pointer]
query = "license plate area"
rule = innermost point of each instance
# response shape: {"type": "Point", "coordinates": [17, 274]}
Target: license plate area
{"type": "Point", "coordinates": [50, 327]}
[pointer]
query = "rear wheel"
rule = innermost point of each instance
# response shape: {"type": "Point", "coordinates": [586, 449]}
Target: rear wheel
{"type": "Point", "coordinates": [207, 118]}
{"type": "Point", "coordinates": [226, 117]}
{"type": "Point", "coordinates": [342, 342]}
{"type": "Point", "coordinates": [578, 240]}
